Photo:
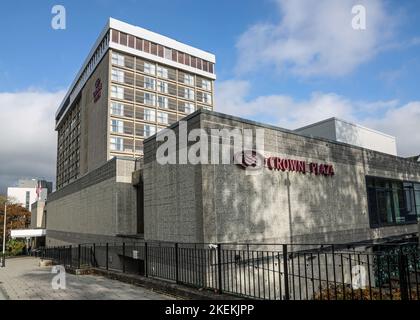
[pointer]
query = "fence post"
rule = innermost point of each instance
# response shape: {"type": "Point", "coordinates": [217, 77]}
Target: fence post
{"type": "Point", "coordinates": [219, 268]}
{"type": "Point", "coordinates": [78, 256]}
{"type": "Point", "coordinates": [106, 255]}
{"type": "Point", "coordinates": [145, 260]}
{"type": "Point", "coordinates": [176, 264]}
{"type": "Point", "coordinates": [70, 256]}
{"type": "Point", "coordinates": [123, 253]}
{"type": "Point", "coordinates": [286, 273]}
{"type": "Point", "coordinates": [94, 255]}
{"type": "Point", "coordinates": [402, 275]}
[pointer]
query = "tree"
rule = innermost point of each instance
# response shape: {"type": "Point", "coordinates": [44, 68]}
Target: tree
{"type": "Point", "coordinates": [18, 217]}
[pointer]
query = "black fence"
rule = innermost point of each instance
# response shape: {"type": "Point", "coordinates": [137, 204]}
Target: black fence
{"type": "Point", "coordinates": [262, 271]}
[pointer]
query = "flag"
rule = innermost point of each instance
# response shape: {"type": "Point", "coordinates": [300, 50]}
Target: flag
{"type": "Point", "coordinates": [38, 190]}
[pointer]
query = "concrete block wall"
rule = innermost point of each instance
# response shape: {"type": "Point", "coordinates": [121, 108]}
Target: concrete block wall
{"type": "Point", "coordinates": [96, 208]}
{"type": "Point", "coordinates": [273, 206]}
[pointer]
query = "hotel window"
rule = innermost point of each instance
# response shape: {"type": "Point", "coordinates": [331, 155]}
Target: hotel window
{"type": "Point", "coordinates": [123, 39]}
{"type": "Point", "coordinates": [117, 126]}
{"type": "Point", "coordinates": [162, 72]}
{"type": "Point", "coordinates": [162, 86]}
{"type": "Point", "coordinates": [131, 41]}
{"type": "Point", "coordinates": [186, 93]}
{"type": "Point", "coordinates": [149, 83]}
{"type": "Point", "coordinates": [149, 99]}
{"type": "Point", "coordinates": [117, 144]}
{"type": "Point", "coordinates": [139, 146]}
{"type": "Point", "coordinates": [117, 75]}
{"type": "Point", "coordinates": [162, 117]}
{"type": "Point", "coordinates": [118, 59]}
{"type": "Point", "coordinates": [189, 108]}
{"type": "Point", "coordinates": [117, 92]}
{"type": "Point", "coordinates": [168, 53]}
{"type": "Point", "coordinates": [117, 109]}
{"type": "Point", "coordinates": [163, 102]}
{"type": "Point", "coordinates": [149, 68]}
{"type": "Point", "coordinates": [149, 115]}
{"type": "Point", "coordinates": [391, 202]}
{"type": "Point", "coordinates": [149, 130]}
{"type": "Point", "coordinates": [188, 79]}
{"type": "Point", "coordinates": [207, 98]}
{"type": "Point", "coordinates": [206, 84]}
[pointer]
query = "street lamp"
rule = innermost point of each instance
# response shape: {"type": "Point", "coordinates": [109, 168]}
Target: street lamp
{"type": "Point", "coordinates": [3, 262]}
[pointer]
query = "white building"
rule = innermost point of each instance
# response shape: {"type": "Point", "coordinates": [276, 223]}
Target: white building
{"type": "Point", "coordinates": [29, 191]}
{"type": "Point", "coordinates": [350, 133]}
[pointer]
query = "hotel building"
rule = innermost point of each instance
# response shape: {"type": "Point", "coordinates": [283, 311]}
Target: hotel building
{"type": "Point", "coordinates": [133, 83]}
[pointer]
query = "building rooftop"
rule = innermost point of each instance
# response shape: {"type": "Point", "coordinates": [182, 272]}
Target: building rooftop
{"type": "Point", "coordinates": [103, 43]}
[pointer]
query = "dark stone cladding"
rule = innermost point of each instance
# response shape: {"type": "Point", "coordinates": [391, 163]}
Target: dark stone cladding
{"type": "Point", "coordinates": [339, 150]}
{"type": "Point", "coordinates": [82, 238]}
{"type": "Point", "coordinates": [105, 172]}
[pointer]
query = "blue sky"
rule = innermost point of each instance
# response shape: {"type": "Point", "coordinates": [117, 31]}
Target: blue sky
{"type": "Point", "coordinates": [283, 62]}
{"type": "Point", "coordinates": [211, 25]}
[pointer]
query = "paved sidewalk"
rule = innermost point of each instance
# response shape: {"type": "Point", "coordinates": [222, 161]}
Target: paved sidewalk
{"type": "Point", "coordinates": [23, 279]}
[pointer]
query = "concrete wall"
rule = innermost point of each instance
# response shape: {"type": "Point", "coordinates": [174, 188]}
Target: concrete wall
{"type": "Point", "coordinates": [220, 203]}
{"type": "Point", "coordinates": [37, 215]}
{"type": "Point", "coordinates": [97, 207]}
{"type": "Point", "coordinates": [172, 199]}
{"type": "Point", "coordinates": [94, 120]}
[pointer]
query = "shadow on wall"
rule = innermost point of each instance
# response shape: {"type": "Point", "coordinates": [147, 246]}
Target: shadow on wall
{"type": "Point", "coordinates": [282, 207]}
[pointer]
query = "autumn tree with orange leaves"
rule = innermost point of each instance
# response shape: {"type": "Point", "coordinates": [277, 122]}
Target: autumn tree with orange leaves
{"type": "Point", "coordinates": [18, 217]}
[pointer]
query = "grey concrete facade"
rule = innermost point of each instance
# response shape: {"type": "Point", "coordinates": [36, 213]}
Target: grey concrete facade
{"type": "Point", "coordinates": [37, 215]}
{"type": "Point", "coordinates": [98, 207]}
{"type": "Point", "coordinates": [220, 203]}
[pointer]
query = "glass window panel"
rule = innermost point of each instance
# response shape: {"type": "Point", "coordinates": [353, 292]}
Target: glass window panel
{"type": "Point", "coordinates": [180, 57]}
{"type": "Point", "coordinates": [123, 38]}
{"type": "Point", "coordinates": [131, 41]}
{"type": "Point", "coordinates": [117, 75]}
{"type": "Point", "coordinates": [146, 46]}
{"type": "Point", "coordinates": [149, 68]}
{"type": "Point", "coordinates": [193, 62]}
{"type": "Point", "coordinates": [168, 53]}
{"type": "Point", "coordinates": [160, 51]}
{"type": "Point", "coordinates": [118, 59]}
{"type": "Point", "coordinates": [139, 44]}
{"type": "Point", "coordinates": [115, 36]}
{"type": "Point", "coordinates": [153, 49]}
{"type": "Point", "coordinates": [117, 108]}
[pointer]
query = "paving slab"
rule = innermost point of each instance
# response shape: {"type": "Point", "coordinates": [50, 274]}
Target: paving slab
{"type": "Point", "coordinates": [24, 279]}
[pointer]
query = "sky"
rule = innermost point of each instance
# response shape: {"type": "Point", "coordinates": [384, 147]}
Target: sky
{"type": "Point", "coordinates": [282, 62]}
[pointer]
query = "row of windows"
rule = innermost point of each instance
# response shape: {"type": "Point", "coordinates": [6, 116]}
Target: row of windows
{"type": "Point", "coordinates": [151, 99]}
{"type": "Point", "coordinates": [118, 144]}
{"type": "Point", "coordinates": [140, 130]}
{"type": "Point", "coordinates": [161, 51]}
{"type": "Point", "coordinates": [129, 111]}
{"type": "Point", "coordinates": [153, 69]}
{"type": "Point", "coordinates": [392, 202]}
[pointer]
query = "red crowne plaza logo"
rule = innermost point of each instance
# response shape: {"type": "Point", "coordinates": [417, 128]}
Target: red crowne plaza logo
{"type": "Point", "coordinates": [98, 90]}
{"type": "Point", "coordinates": [249, 160]}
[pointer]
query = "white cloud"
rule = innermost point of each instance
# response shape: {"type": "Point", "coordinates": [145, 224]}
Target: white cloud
{"type": "Point", "coordinates": [284, 111]}
{"type": "Point", "coordinates": [315, 37]}
{"type": "Point", "coordinates": [27, 136]}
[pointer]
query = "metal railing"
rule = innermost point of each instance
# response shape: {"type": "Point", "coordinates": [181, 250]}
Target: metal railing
{"type": "Point", "coordinates": [262, 271]}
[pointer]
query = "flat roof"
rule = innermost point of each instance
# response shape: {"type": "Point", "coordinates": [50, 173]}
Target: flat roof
{"type": "Point", "coordinates": [273, 127]}
{"type": "Point", "coordinates": [335, 119]}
